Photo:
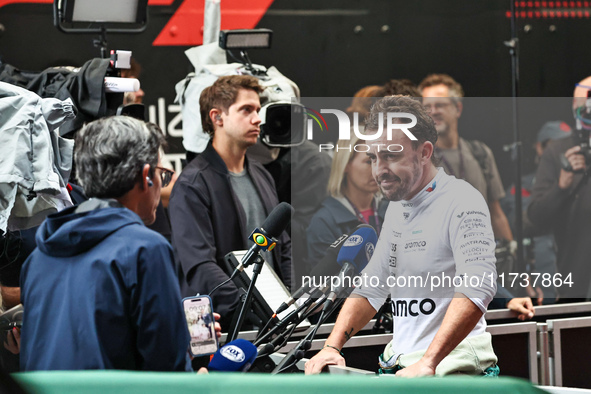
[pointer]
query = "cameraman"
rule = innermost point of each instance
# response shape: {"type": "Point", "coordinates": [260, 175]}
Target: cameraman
{"type": "Point", "coordinates": [561, 201]}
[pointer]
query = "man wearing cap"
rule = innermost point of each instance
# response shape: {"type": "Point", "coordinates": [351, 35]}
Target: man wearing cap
{"type": "Point", "coordinates": [542, 246]}
{"type": "Point", "coordinates": [561, 202]}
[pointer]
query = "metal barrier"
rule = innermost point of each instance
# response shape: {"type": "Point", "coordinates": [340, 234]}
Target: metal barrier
{"type": "Point", "coordinates": [545, 368]}
{"type": "Point", "coordinates": [537, 349]}
{"type": "Point", "coordinates": [569, 351]}
{"type": "Point", "coordinates": [523, 353]}
{"type": "Point", "coordinates": [546, 311]}
{"type": "Point", "coordinates": [510, 352]}
{"type": "Point", "coordinates": [490, 316]}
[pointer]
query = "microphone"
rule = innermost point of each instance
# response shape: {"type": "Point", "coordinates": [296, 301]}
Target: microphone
{"type": "Point", "coordinates": [264, 237]}
{"type": "Point", "coordinates": [327, 266]}
{"type": "Point", "coordinates": [292, 357]}
{"type": "Point", "coordinates": [121, 85]}
{"type": "Point", "coordinates": [292, 318]}
{"type": "Point", "coordinates": [235, 356]}
{"type": "Point", "coordinates": [266, 349]}
{"type": "Point", "coordinates": [353, 257]}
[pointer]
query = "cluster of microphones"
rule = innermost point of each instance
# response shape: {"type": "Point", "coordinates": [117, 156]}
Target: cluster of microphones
{"type": "Point", "coordinates": [345, 258]}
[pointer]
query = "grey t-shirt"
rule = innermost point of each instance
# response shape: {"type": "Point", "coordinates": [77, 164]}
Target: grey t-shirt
{"type": "Point", "coordinates": [251, 203]}
{"type": "Point", "coordinates": [451, 160]}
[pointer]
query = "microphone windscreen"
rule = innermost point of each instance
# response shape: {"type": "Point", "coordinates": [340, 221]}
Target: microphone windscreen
{"type": "Point", "coordinates": [278, 219]}
{"type": "Point", "coordinates": [235, 356]}
{"type": "Point", "coordinates": [358, 248]}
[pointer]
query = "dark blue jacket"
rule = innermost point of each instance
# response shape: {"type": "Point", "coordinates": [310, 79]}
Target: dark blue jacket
{"type": "Point", "coordinates": [100, 292]}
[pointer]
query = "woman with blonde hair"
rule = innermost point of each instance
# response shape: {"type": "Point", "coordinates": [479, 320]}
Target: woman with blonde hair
{"type": "Point", "coordinates": [352, 200]}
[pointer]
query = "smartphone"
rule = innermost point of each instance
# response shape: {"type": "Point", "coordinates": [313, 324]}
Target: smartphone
{"type": "Point", "coordinates": [201, 324]}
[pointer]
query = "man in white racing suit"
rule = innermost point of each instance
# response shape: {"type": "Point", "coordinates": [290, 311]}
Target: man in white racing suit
{"type": "Point", "coordinates": [435, 256]}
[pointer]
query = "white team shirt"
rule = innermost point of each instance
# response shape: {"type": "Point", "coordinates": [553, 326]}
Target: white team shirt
{"type": "Point", "coordinates": [442, 233]}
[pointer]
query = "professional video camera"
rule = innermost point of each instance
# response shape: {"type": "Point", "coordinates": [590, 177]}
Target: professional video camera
{"type": "Point", "coordinates": [84, 17]}
{"type": "Point", "coordinates": [280, 109]}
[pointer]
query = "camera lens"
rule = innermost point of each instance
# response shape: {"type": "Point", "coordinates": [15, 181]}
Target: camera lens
{"type": "Point", "coordinates": [284, 125]}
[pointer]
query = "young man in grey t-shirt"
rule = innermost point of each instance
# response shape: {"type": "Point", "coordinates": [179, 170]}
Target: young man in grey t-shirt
{"type": "Point", "coordinates": [221, 196]}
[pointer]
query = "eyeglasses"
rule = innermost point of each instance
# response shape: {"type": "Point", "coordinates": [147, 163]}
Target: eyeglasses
{"type": "Point", "coordinates": [165, 175]}
{"type": "Point", "coordinates": [436, 106]}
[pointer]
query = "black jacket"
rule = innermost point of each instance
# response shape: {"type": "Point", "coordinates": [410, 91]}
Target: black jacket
{"type": "Point", "coordinates": [208, 222]}
{"type": "Point", "coordinates": [568, 214]}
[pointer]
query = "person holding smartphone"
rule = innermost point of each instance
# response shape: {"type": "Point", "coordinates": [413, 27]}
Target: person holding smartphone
{"type": "Point", "coordinates": [100, 291]}
{"type": "Point", "coordinates": [201, 325]}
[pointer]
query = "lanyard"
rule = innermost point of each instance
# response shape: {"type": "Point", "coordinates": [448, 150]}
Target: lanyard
{"type": "Point", "coordinates": [361, 218]}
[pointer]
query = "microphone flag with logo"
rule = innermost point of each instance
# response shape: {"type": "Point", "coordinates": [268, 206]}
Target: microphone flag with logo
{"type": "Point", "coordinates": [235, 356]}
